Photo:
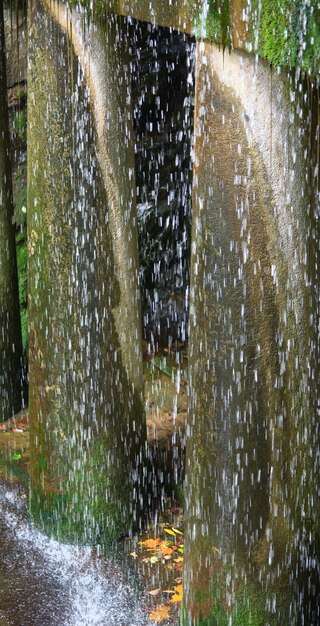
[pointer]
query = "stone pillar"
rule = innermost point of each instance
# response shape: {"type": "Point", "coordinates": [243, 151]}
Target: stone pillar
{"type": "Point", "coordinates": [86, 385]}
{"type": "Point", "coordinates": [10, 329]}
{"type": "Point", "coordinates": [252, 468]}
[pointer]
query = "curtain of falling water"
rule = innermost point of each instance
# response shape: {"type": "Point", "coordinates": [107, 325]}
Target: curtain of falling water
{"type": "Point", "coordinates": [86, 405]}
{"type": "Point", "coordinates": [10, 330]}
{"type": "Point", "coordinates": [252, 503]}
{"type": "Point", "coordinates": [163, 110]}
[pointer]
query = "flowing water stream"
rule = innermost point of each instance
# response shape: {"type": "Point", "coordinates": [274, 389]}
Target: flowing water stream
{"type": "Point", "coordinates": [47, 583]}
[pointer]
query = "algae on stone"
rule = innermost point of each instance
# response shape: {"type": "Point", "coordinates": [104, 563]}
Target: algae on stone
{"type": "Point", "coordinates": [85, 400]}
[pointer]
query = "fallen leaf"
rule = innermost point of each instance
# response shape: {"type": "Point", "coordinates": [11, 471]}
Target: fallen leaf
{"type": "Point", "coordinates": [134, 554]}
{"type": "Point", "coordinates": [159, 614]}
{"type": "Point", "coordinates": [154, 559]}
{"type": "Point", "coordinates": [164, 549]}
{"type": "Point", "coordinates": [179, 559]}
{"type": "Point", "coordinates": [151, 544]}
{"type": "Point", "coordinates": [178, 532]}
{"type": "Point", "coordinates": [177, 597]}
{"type": "Point", "coordinates": [154, 592]}
{"type": "Point", "coordinates": [178, 566]}
{"type": "Point", "coordinates": [169, 531]}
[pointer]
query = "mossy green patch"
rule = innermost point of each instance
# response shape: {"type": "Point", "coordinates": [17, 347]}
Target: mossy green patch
{"type": "Point", "coordinates": [82, 508]}
{"type": "Point", "coordinates": [247, 610]}
{"type": "Point", "coordinates": [214, 24]}
{"type": "Point", "coordinates": [22, 262]}
{"type": "Point", "coordinates": [287, 33]}
{"type": "Point", "coordinates": [218, 22]}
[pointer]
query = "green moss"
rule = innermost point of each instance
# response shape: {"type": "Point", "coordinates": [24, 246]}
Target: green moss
{"type": "Point", "coordinates": [82, 508]}
{"type": "Point", "coordinates": [218, 22]}
{"type": "Point", "coordinates": [19, 125]}
{"type": "Point", "coordinates": [215, 26]}
{"type": "Point", "coordinates": [286, 33]}
{"type": "Point", "coordinates": [22, 262]}
{"type": "Point", "coordinates": [20, 219]}
{"type": "Point", "coordinates": [248, 610]}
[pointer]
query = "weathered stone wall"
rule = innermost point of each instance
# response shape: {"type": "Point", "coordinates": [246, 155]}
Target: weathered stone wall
{"type": "Point", "coordinates": [86, 387]}
{"type": "Point", "coordinates": [252, 505]}
{"type": "Point", "coordinates": [15, 25]}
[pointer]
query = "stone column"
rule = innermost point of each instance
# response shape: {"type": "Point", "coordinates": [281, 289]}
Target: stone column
{"type": "Point", "coordinates": [86, 385]}
{"type": "Point", "coordinates": [252, 468]}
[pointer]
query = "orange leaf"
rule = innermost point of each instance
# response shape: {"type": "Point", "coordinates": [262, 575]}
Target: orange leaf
{"type": "Point", "coordinates": [159, 614]}
{"type": "Point", "coordinates": [165, 549]}
{"type": "Point", "coordinates": [151, 544]}
{"type": "Point", "coordinates": [178, 566]}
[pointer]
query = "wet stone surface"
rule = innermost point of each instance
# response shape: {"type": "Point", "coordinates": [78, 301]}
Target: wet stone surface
{"type": "Point", "coordinates": [44, 583]}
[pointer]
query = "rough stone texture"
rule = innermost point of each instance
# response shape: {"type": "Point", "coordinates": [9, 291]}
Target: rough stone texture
{"type": "Point", "coordinates": [85, 401]}
{"type": "Point", "coordinates": [15, 24]}
{"type": "Point", "coordinates": [252, 498]}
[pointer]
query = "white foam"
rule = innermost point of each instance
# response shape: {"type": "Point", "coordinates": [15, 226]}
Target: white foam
{"type": "Point", "coordinates": [96, 595]}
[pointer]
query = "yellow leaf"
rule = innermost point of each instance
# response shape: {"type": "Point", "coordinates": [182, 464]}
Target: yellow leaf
{"type": "Point", "coordinates": [169, 531]}
{"type": "Point", "coordinates": [159, 614]}
{"type": "Point", "coordinates": [177, 597]}
{"type": "Point", "coordinates": [154, 559]}
{"type": "Point", "coordinates": [178, 532]}
{"type": "Point", "coordinates": [179, 559]}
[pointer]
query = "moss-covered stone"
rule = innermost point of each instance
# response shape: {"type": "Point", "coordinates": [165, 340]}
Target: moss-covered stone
{"type": "Point", "coordinates": [85, 398]}
{"type": "Point", "coordinates": [285, 32]}
{"type": "Point", "coordinates": [214, 24]}
{"type": "Point", "coordinates": [245, 610]}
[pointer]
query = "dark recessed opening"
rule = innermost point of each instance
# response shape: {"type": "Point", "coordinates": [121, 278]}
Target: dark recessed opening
{"type": "Point", "coordinates": [163, 100]}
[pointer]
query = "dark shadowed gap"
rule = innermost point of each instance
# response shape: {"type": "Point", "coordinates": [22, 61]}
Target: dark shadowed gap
{"type": "Point", "coordinates": [163, 102]}
{"type": "Point", "coordinates": [162, 70]}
